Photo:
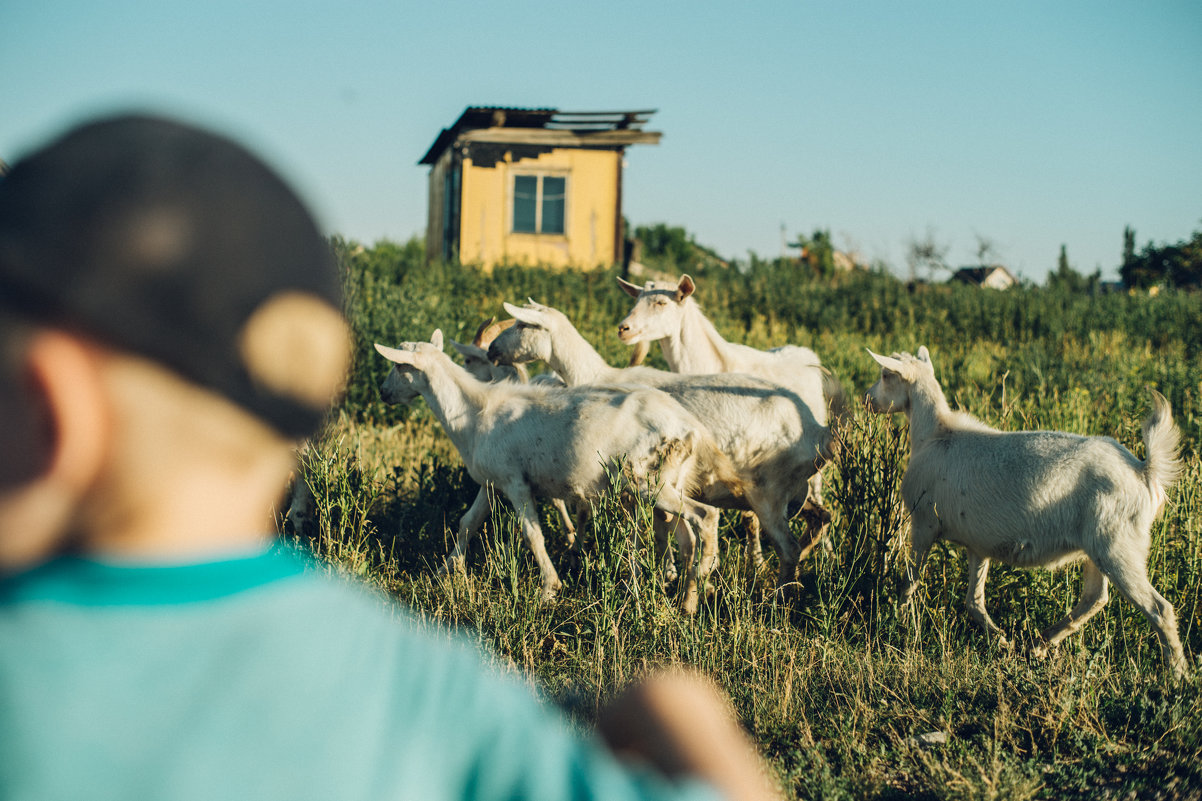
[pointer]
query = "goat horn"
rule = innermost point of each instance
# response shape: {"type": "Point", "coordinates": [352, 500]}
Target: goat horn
{"type": "Point", "coordinates": [480, 331]}
{"type": "Point", "coordinates": [486, 335]}
{"type": "Point", "coordinates": [639, 353]}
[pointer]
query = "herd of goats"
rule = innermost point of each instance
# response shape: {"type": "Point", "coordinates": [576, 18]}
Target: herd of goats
{"type": "Point", "coordinates": [728, 426]}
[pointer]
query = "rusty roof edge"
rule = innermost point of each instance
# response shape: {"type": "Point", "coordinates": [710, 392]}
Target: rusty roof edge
{"type": "Point", "coordinates": [440, 144]}
{"type": "Point", "coordinates": [639, 112]}
{"type": "Point", "coordinates": [551, 119]}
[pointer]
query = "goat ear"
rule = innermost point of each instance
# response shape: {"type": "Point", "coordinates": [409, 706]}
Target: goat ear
{"type": "Point", "coordinates": [528, 316]}
{"type": "Point", "coordinates": [684, 288]}
{"type": "Point", "coordinates": [436, 338]}
{"type": "Point", "coordinates": [888, 362]}
{"type": "Point", "coordinates": [464, 350]}
{"type": "Point", "coordinates": [924, 355]}
{"type": "Point", "coordinates": [395, 355]}
{"type": "Point", "coordinates": [630, 289]}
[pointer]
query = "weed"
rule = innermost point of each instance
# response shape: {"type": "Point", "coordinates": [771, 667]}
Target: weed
{"type": "Point", "coordinates": [839, 686]}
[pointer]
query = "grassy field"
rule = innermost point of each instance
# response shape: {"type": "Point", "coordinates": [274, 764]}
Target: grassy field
{"type": "Point", "coordinates": [847, 696]}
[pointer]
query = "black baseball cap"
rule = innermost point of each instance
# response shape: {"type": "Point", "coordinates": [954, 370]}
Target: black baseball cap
{"type": "Point", "coordinates": [174, 243]}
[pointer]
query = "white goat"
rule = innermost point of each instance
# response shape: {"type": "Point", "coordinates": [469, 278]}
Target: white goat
{"type": "Point", "coordinates": [668, 313]}
{"type": "Point", "coordinates": [476, 362]}
{"type": "Point", "coordinates": [567, 443]}
{"type": "Point", "coordinates": [1032, 499]}
{"type": "Point", "coordinates": [775, 436]}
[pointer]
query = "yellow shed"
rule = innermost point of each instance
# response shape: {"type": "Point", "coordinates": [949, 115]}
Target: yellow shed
{"type": "Point", "coordinates": [533, 186]}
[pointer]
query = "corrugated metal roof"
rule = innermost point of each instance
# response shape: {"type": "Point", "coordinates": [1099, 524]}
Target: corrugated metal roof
{"type": "Point", "coordinates": [583, 122]}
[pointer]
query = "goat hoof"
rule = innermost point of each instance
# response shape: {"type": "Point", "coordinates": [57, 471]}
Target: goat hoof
{"type": "Point", "coordinates": [572, 559]}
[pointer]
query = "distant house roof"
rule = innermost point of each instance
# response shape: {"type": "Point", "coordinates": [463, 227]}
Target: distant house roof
{"type": "Point", "coordinates": [548, 126]}
{"type": "Point", "coordinates": [994, 276]}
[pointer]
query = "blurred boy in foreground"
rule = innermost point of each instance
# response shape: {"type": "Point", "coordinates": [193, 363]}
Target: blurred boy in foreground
{"type": "Point", "coordinates": [169, 328]}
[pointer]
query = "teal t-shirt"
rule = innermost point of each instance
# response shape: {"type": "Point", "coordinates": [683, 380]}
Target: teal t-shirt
{"type": "Point", "coordinates": [264, 678]}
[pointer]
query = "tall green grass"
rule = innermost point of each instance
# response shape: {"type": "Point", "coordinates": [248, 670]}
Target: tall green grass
{"type": "Point", "coordinates": [838, 685]}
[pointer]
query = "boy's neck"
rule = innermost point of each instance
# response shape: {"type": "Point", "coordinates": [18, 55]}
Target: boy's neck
{"type": "Point", "coordinates": [192, 515]}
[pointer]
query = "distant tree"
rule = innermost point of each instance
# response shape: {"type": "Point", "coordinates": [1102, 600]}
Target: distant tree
{"type": "Point", "coordinates": [1191, 262]}
{"type": "Point", "coordinates": [1068, 279]}
{"type": "Point", "coordinates": [926, 254]}
{"type": "Point", "coordinates": [818, 252]}
{"type": "Point", "coordinates": [671, 247]}
{"type": "Point", "coordinates": [987, 250]}
{"type": "Point", "coordinates": [664, 242]}
{"type": "Point", "coordinates": [1128, 247]}
{"type": "Point", "coordinates": [1177, 264]}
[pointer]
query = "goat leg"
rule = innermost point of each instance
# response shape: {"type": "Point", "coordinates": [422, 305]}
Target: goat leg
{"type": "Point", "coordinates": [1094, 594]}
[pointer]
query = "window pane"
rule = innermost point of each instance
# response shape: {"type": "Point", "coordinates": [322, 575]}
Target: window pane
{"type": "Point", "coordinates": [553, 204]}
{"type": "Point", "coordinates": [525, 203]}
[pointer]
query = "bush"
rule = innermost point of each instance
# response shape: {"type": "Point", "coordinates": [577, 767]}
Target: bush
{"type": "Point", "coordinates": [836, 685]}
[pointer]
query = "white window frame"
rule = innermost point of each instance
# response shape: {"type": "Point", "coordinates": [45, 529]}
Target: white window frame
{"type": "Point", "coordinates": [538, 201]}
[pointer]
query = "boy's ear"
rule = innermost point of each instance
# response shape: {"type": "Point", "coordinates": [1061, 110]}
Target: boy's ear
{"type": "Point", "coordinates": [65, 374]}
{"type": "Point", "coordinates": [55, 446]}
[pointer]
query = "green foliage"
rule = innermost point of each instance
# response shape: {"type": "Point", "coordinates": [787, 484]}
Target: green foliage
{"type": "Point", "coordinates": [671, 249]}
{"type": "Point", "coordinates": [665, 242]}
{"type": "Point", "coordinates": [1177, 264]}
{"type": "Point", "coordinates": [929, 255]}
{"type": "Point", "coordinates": [818, 252]}
{"type": "Point", "coordinates": [1066, 279]}
{"type": "Point", "coordinates": [838, 685]}
{"type": "Point", "coordinates": [392, 296]}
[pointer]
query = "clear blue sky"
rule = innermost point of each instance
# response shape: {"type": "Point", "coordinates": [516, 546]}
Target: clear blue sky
{"type": "Point", "coordinates": [1030, 124]}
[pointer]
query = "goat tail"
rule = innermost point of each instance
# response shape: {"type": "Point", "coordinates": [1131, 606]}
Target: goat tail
{"type": "Point", "coordinates": [838, 412]}
{"type": "Point", "coordinates": [1162, 439]}
{"type": "Point", "coordinates": [836, 398]}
